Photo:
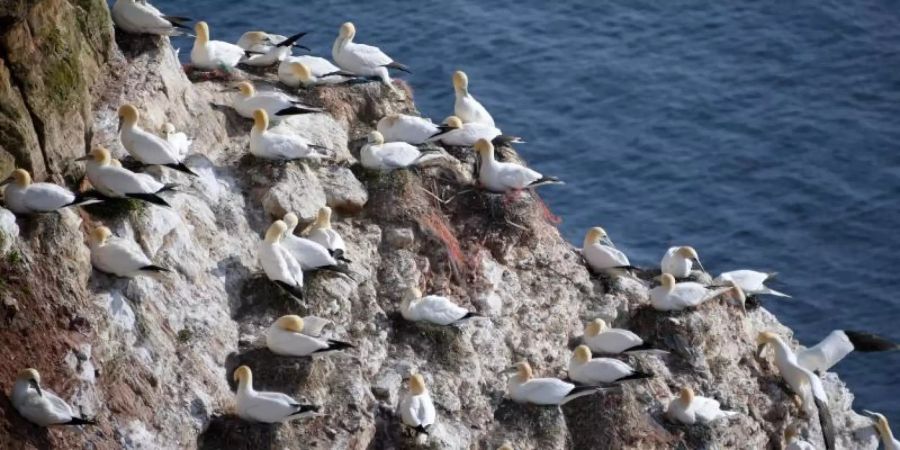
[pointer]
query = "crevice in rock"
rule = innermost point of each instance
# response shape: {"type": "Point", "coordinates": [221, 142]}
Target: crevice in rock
{"type": "Point", "coordinates": [36, 121]}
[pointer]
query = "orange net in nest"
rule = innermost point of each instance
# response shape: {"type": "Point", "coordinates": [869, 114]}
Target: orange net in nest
{"type": "Point", "coordinates": [435, 224]}
{"type": "Point", "coordinates": [545, 211]}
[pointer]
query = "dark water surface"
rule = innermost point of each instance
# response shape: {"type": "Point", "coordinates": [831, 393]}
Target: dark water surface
{"type": "Point", "coordinates": [765, 134]}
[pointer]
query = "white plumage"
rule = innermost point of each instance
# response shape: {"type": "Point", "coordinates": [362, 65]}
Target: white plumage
{"type": "Point", "coordinates": [267, 407]}
{"type": "Point", "coordinates": [466, 106]}
{"type": "Point", "coordinates": [803, 382]}
{"type": "Point", "coordinates": [41, 406]}
{"type": "Point", "coordinates": [601, 339]}
{"type": "Point", "coordinates": [405, 128]}
{"type": "Point", "coordinates": [146, 147]}
{"type": "Point", "coordinates": [431, 308]}
{"type": "Point", "coordinates": [377, 154]}
{"type": "Point", "coordinates": [750, 281]}
{"type": "Point", "coordinates": [672, 296]}
{"type": "Point", "coordinates": [524, 388]}
{"type": "Point", "coordinates": [259, 41]}
{"type": "Point", "coordinates": [461, 134]}
{"type": "Point", "coordinates": [599, 252]}
{"type": "Point", "coordinates": [275, 145]}
{"type": "Point", "coordinates": [678, 261]}
{"type": "Point", "coordinates": [22, 196]}
{"type": "Point", "coordinates": [321, 233]}
{"type": "Point", "coordinates": [142, 17]}
{"type": "Point", "coordinates": [117, 256]}
{"type": "Point", "coordinates": [499, 176]}
{"type": "Point", "coordinates": [360, 59]}
{"type": "Point", "coordinates": [287, 336]}
{"type": "Point", "coordinates": [308, 70]}
{"type": "Point", "coordinates": [416, 408]}
{"type": "Point", "coordinates": [116, 181]}
{"type": "Point", "coordinates": [212, 55]}
{"type": "Point", "coordinates": [689, 409]}
{"type": "Point", "coordinates": [277, 261]}
{"type": "Point", "coordinates": [310, 254]}
{"type": "Point", "coordinates": [585, 370]}
{"type": "Point", "coordinates": [277, 105]}
{"type": "Point", "coordinates": [178, 140]}
{"type": "Point", "coordinates": [827, 353]}
{"type": "Point", "coordinates": [884, 430]}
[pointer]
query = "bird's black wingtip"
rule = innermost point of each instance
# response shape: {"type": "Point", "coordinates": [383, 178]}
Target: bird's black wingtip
{"type": "Point", "coordinates": [154, 268]}
{"type": "Point", "coordinates": [868, 342]}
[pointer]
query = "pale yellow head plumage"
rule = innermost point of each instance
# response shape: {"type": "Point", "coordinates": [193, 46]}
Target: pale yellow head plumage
{"type": "Point", "coordinates": [128, 114]}
{"type": "Point", "coordinates": [687, 252]}
{"type": "Point", "coordinates": [29, 375]}
{"type": "Point", "coordinates": [301, 71]}
{"type": "Point", "coordinates": [275, 231]}
{"type": "Point", "coordinates": [594, 327]}
{"type": "Point", "coordinates": [765, 337]}
{"type": "Point", "coordinates": [667, 281]}
{"type": "Point", "coordinates": [201, 29]}
{"type": "Point", "coordinates": [100, 234]}
{"type": "Point", "coordinates": [243, 373]}
{"type": "Point", "coordinates": [523, 371]}
{"type": "Point", "coordinates": [460, 81]}
{"type": "Point", "coordinates": [582, 354]}
{"type": "Point", "coordinates": [19, 177]}
{"type": "Point", "coordinates": [291, 220]}
{"type": "Point", "coordinates": [376, 138]}
{"type": "Point", "coordinates": [260, 120]}
{"type": "Point", "coordinates": [881, 424]}
{"type": "Point", "coordinates": [290, 323]}
{"type": "Point", "coordinates": [323, 219]}
{"type": "Point", "coordinates": [453, 122]}
{"type": "Point", "coordinates": [417, 384]}
{"type": "Point", "coordinates": [101, 156]}
{"type": "Point", "coordinates": [594, 235]}
{"type": "Point", "coordinates": [256, 37]}
{"type": "Point", "coordinates": [484, 148]}
{"type": "Point", "coordinates": [348, 31]}
{"type": "Point", "coordinates": [686, 395]}
{"type": "Point", "coordinates": [246, 88]}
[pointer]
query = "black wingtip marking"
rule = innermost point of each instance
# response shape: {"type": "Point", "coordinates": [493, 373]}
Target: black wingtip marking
{"type": "Point", "coordinates": [546, 180]}
{"type": "Point", "coordinates": [637, 376]}
{"type": "Point", "coordinates": [154, 268]}
{"type": "Point", "coordinates": [398, 66]}
{"type": "Point", "coordinates": [293, 290]}
{"type": "Point", "coordinates": [868, 342]}
{"type": "Point", "coordinates": [291, 39]}
{"type": "Point", "coordinates": [80, 421]}
{"type": "Point", "coordinates": [422, 429]}
{"type": "Point", "coordinates": [301, 409]}
{"type": "Point", "coordinates": [335, 345]}
{"type": "Point", "coordinates": [181, 168]}
{"type": "Point", "coordinates": [150, 198]}
{"type": "Point", "coordinates": [293, 110]}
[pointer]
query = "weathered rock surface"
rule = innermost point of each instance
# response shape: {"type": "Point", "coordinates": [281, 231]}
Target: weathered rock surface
{"type": "Point", "coordinates": [152, 359]}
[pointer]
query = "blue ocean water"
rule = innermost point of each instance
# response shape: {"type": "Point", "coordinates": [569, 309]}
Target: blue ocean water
{"type": "Point", "coordinates": [764, 134]}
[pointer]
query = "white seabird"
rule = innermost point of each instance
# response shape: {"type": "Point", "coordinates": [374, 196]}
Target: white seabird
{"type": "Point", "coordinates": [321, 233]}
{"type": "Point", "coordinates": [278, 263]}
{"type": "Point", "coordinates": [276, 104]}
{"type": "Point", "coordinates": [678, 261]}
{"type": "Point", "coordinates": [41, 406]}
{"type": "Point", "coordinates": [602, 339]}
{"type": "Point", "coordinates": [672, 296]}
{"type": "Point", "coordinates": [178, 140]}
{"type": "Point", "coordinates": [456, 133]}
{"type": "Point", "coordinates": [378, 155]}
{"type": "Point", "coordinates": [838, 344]}
{"type": "Point", "coordinates": [432, 308]}
{"type": "Point", "coordinates": [213, 55]}
{"type": "Point", "coordinates": [139, 16]}
{"type": "Point", "coordinates": [118, 182]}
{"type": "Point", "coordinates": [413, 130]}
{"type": "Point", "coordinates": [585, 370]}
{"type": "Point", "coordinates": [279, 146]}
{"type": "Point", "coordinates": [274, 53]}
{"type": "Point", "coordinates": [120, 257]}
{"type": "Point", "coordinates": [689, 409]}
{"type": "Point", "coordinates": [310, 254]}
{"type": "Point", "coordinates": [802, 381]}
{"type": "Point", "coordinates": [499, 176]}
{"type": "Point", "coordinates": [524, 388]}
{"type": "Point", "coordinates": [792, 440]}
{"type": "Point", "coordinates": [750, 281]}
{"type": "Point", "coordinates": [601, 255]}
{"type": "Point", "coordinates": [884, 431]}
{"type": "Point", "coordinates": [22, 196]}
{"type": "Point", "coordinates": [286, 337]}
{"type": "Point", "coordinates": [258, 41]}
{"type": "Point", "coordinates": [267, 407]}
{"type": "Point", "coordinates": [361, 59]}
{"type": "Point", "coordinates": [466, 106]}
{"type": "Point", "coordinates": [308, 70]}
{"type": "Point", "coordinates": [146, 147]}
{"type": "Point", "coordinates": [416, 408]}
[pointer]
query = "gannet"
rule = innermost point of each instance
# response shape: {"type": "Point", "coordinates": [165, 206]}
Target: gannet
{"type": "Point", "coordinates": [268, 407]}
{"type": "Point", "coordinates": [456, 133]}
{"type": "Point", "coordinates": [689, 409]}
{"type": "Point", "coordinates": [413, 130]}
{"type": "Point", "coordinates": [22, 196]}
{"type": "Point", "coordinates": [278, 146]}
{"type": "Point", "coordinates": [118, 182]}
{"type": "Point", "coordinates": [309, 70]}
{"type": "Point", "coordinates": [678, 261]}
{"type": "Point", "coordinates": [792, 440]}
{"type": "Point", "coordinates": [278, 263]}
{"type": "Point", "coordinates": [524, 388]}
{"type": "Point", "coordinates": [466, 106]}
{"type": "Point", "coordinates": [884, 430]}
{"type": "Point", "coordinates": [286, 337]}
{"type": "Point", "coordinates": [838, 344]}
{"type": "Point", "coordinates": [602, 339]}
{"type": "Point", "coordinates": [120, 257]}
{"type": "Point", "coordinates": [321, 233]}
{"type": "Point", "coordinates": [750, 281]}
{"type": "Point", "coordinates": [601, 255]}
{"type": "Point", "coordinates": [276, 104]}
{"type": "Point", "coordinates": [273, 54]}
{"type": "Point", "coordinates": [142, 17]}
{"type": "Point", "coordinates": [672, 296]}
{"type": "Point", "coordinates": [146, 147]}
{"type": "Point", "coordinates": [258, 41]}
{"type": "Point", "coordinates": [213, 55]}
{"type": "Point", "coordinates": [432, 308]}
{"type": "Point", "coordinates": [41, 406]}
{"type": "Point", "coordinates": [503, 176]}
{"type": "Point", "coordinates": [361, 59]}
{"type": "Point", "coordinates": [310, 254]}
{"type": "Point", "coordinates": [585, 370]}
{"type": "Point", "coordinates": [377, 154]}
{"type": "Point", "coordinates": [506, 446]}
{"type": "Point", "coordinates": [803, 382]}
{"type": "Point", "coordinates": [416, 408]}
{"type": "Point", "coordinates": [178, 140]}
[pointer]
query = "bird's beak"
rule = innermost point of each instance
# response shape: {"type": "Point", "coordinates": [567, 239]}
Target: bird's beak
{"type": "Point", "coordinates": [607, 242]}
{"type": "Point", "coordinates": [37, 387]}
{"type": "Point", "coordinates": [6, 181]}
{"type": "Point", "coordinates": [701, 265]}
{"type": "Point", "coordinates": [509, 370]}
{"type": "Point", "coordinates": [84, 158]}
{"type": "Point", "coordinates": [119, 127]}
{"type": "Point", "coordinates": [759, 350]}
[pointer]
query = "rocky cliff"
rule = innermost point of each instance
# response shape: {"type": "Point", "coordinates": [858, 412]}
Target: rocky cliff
{"type": "Point", "coordinates": [152, 359]}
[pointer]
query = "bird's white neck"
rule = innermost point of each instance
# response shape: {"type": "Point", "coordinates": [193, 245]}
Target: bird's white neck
{"type": "Point", "coordinates": [245, 386]}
